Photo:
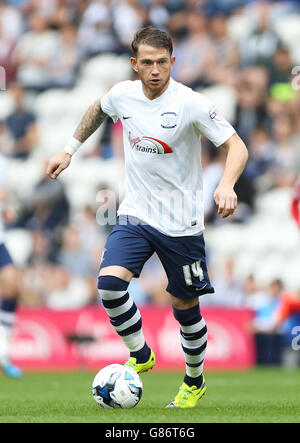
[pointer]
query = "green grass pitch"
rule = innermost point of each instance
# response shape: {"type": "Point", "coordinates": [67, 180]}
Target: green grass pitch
{"type": "Point", "coordinates": [260, 395]}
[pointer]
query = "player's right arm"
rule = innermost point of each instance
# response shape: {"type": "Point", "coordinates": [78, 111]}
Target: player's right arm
{"type": "Point", "coordinates": [91, 121]}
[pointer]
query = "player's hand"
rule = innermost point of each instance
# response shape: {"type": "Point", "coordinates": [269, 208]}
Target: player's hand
{"type": "Point", "coordinates": [57, 164]}
{"type": "Point", "coordinates": [226, 200]}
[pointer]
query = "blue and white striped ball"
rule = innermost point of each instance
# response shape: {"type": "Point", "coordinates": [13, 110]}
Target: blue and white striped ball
{"type": "Point", "coordinates": [117, 386]}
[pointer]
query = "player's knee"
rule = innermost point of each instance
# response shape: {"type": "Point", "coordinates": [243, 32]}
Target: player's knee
{"type": "Point", "coordinates": [179, 303]}
{"type": "Point", "coordinates": [11, 292]}
{"type": "Point", "coordinates": [110, 287]}
{"type": "Point", "coordinates": [10, 283]}
{"type": "Point", "coordinates": [117, 271]}
{"type": "Point", "coordinates": [189, 315]}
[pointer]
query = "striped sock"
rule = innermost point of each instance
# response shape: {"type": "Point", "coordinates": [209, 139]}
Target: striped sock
{"type": "Point", "coordinates": [7, 321]}
{"type": "Point", "coordinates": [193, 336]}
{"type": "Point", "coordinates": [124, 315]}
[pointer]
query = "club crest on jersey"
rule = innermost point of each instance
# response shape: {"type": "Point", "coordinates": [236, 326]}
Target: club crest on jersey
{"type": "Point", "coordinates": [149, 145]}
{"type": "Point", "coordinates": [214, 114]}
{"type": "Point", "coordinates": [169, 120]}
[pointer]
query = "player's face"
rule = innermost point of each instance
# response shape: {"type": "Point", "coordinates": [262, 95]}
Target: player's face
{"type": "Point", "coordinates": [153, 66]}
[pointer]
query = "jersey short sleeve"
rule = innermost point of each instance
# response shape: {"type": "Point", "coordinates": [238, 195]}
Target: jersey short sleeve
{"type": "Point", "coordinates": [208, 120]}
{"type": "Point", "coordinates": [107, 105]}
{"type": "Point", "coordinates": [110, 100]}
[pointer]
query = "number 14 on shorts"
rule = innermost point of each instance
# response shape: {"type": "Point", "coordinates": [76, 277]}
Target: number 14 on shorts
{"type": "Point", "coordinates": [195, 269]}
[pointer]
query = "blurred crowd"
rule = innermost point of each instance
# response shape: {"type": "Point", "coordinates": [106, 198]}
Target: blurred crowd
{"type": "Point", "coordinates": [234, 47]}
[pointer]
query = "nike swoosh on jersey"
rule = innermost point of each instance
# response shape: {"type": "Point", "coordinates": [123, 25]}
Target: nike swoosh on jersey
{"type": "Point", "coordinates": [125, 118]}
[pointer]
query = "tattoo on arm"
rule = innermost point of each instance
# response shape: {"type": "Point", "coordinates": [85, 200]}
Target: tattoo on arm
{"type": "Point", "coordinates": [91, 121]}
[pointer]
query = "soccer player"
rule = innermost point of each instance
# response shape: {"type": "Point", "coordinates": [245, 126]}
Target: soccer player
{"type": "Point", "coordinates": [162, 211]}
{"type": "Point", "coordinates": [9, 289]}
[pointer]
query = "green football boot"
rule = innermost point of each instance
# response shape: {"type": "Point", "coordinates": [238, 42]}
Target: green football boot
{"type": "Point", "coordinates": [188, 396]}
{"type": "Point", "coordinates": [141, 367]}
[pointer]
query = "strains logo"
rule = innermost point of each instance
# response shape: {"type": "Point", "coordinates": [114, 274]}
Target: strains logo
{"type": "Point", "coordinates": [149, 145]}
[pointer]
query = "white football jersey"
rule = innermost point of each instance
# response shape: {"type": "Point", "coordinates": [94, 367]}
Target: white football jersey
{"type": "Point", "coordinates": [162, 147]}
{"type": "Point", "coordinates": [3, 172]}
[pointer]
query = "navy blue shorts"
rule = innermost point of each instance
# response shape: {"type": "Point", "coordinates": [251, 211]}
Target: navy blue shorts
{"type": "Point", "coordinates": [5, 258]}
{"type": "Point", "coordinates": [130, 245]}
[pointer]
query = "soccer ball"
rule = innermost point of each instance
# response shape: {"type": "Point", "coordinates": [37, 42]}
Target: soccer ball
{"type": "Point", "coordinates": [117, 386]}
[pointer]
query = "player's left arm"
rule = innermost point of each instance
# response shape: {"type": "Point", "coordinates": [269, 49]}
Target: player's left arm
{"type": "Point", "coordinates": [237, 156]}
